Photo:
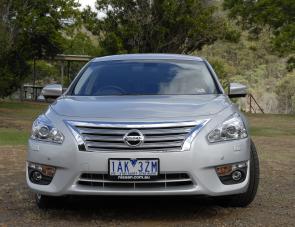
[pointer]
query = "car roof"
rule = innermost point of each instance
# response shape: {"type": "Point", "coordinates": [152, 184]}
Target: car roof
{"type": "Point", "coordinates": [147, 57]}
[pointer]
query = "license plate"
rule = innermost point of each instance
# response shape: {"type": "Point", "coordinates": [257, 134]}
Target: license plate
{"type": "Point", "coordinates": [133, 169]}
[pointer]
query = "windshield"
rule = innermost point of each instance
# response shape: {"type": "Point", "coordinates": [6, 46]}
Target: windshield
{"type": "Point", "coordinates": [145, 77]}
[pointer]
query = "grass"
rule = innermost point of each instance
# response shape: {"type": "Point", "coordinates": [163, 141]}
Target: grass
{"type": "Point", "coordinates": [271, 125]}
{"type": "Point", "coordinates": [21, 110]}
{"type": "Point", "coordinates": [16, 119]}
{"type": "Point", "coordinates": [10, 136]}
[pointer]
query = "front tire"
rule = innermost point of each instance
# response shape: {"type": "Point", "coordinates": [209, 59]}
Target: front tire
{"type": "Point", "coordinates": [244, 199]}
{"type": "Point", "coordinates": [45, 202]}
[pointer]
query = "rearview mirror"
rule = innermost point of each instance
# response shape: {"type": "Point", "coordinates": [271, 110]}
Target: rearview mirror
{"type": "Point", "coordinates": [52, 91]}
{"type": "Point", "coordinates": [237, 90]}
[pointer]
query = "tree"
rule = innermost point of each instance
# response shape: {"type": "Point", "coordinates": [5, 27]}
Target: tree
{"type": "Point", "coordinates": [286, 93]}
{"type": "Point", "coordinates": [172, 26]}
{"type": "Point", "coordinates": [278, 15]}
{"type": "Point", "coordinates": [41, 24]}
{"type": "Point", "coordinates": [46, 72]}
{"type": "Point", "coordinates": [31, 30]}
{"type": "Point", "coordinates": [82, 44]}
{"type": "Point", "coordinates": [13, 70]}
{"type": "Point", "coordinates": [13, 67]}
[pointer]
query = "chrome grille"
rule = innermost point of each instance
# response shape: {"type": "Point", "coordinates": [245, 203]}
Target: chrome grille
{"type": "Point", "coordinates": [164, 181]}
{"type": "Point", "coordinates": [98, 136]}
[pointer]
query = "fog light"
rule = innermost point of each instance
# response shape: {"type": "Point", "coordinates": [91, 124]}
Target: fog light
{"type": "Point", "coordinates": [237, 175]}
{"type": "Point", "coordinates": [44, 169]}
{"type": "Point", "coordinates": [40, 174]}
{"type": "Point", "coordinates": [224, 170]}
{"type": "Point", "coordinates": [232, 173]}
{"type": "Point", "coordinates": [37, 176]}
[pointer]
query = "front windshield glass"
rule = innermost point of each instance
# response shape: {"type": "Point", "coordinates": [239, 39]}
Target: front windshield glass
{"type": "Point", "coordinates": [145, 77]}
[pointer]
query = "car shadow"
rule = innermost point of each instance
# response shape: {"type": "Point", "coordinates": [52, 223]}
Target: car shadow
{"type": "Point", "coordinates": [139, 208]}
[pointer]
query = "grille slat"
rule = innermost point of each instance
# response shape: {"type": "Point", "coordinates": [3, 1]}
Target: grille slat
{"type": "Point", "coordinates": [121, 132]}
{"type": "Point", "coordinates": [159, 137]}
{"type": "Point", "coordinates": [94, 149]}
{"type": "Point", "coordinates": [125, 146]}
{"type": "Point", "coordinates": [166, 181]}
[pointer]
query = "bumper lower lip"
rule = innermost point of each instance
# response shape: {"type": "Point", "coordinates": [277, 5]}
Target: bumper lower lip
{"type": "Point", "coordinates": [193, 190]}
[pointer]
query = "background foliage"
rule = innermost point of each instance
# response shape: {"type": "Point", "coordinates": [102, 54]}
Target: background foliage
{"type": "Point", "coordinates": [162, 26]}
{"type": "Point", "coordinates": [276, 15]}
{"type": "Point", "coordinates": [247, 41]}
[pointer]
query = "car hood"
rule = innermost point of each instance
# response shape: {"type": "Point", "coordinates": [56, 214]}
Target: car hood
{"type": "Point", "coordinates": [123, 108]}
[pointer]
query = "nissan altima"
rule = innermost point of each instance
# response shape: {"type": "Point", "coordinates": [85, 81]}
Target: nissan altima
{"type": "Point", "coordinates": [145, 125]}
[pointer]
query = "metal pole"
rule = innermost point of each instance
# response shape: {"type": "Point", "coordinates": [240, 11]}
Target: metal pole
{"type": "Point", "coordinates": [34, 79]}
{"type": "Point", "coordinates": [62, 72]}
{"type": "Point", "coordinates": [250, 103]}
{"type": "Point", "coordinates": [68, 72]}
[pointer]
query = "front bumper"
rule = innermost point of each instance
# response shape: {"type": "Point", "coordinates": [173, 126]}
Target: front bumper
{"type": "Point", "coordinates": [199, 164]}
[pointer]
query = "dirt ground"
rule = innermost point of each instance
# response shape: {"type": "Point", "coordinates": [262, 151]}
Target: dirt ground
{"type": "Point", "coordinates": [274, 204]}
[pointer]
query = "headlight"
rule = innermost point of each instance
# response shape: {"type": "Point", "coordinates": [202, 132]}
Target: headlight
{"type": "Point", "coordinates": [231, 129]}
{"type": "Point", "coordinates": [44, 130]}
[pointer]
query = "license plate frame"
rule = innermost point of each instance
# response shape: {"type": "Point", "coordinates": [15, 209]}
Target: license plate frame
{"type": "Point", "coordinates": [133, 177]}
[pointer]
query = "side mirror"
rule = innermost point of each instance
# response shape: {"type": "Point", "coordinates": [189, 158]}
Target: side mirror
{"type": "Point", "coordinates": [52, 91]}
{"type": "Point", "coordinates": [237, 90]}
